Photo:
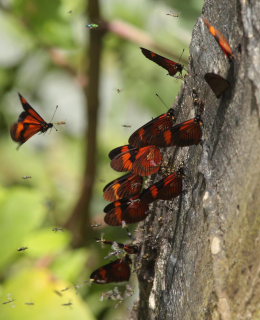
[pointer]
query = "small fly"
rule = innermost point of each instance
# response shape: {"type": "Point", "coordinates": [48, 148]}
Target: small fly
{"type": "Point", "coordinates": [92, 26]}
{"type": "Point", "coordinates": [56, 229]}
{"type": "Point", "coordinates": [22, 249]}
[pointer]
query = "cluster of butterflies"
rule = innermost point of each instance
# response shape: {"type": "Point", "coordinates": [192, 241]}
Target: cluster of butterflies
{"type": "Point", "coordinates": [141, 158]}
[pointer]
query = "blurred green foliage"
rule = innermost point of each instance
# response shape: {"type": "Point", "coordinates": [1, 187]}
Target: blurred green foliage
{"type": "Point", "coordinates": [43, 55]}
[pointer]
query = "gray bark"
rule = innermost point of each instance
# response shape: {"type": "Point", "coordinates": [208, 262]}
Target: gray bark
{"type": "Point", "coordinates": [200, 252]}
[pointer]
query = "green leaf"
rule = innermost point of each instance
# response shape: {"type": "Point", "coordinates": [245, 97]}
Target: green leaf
{"type": "Point", "coordinates": [38, 286]}
{"type": "Point", "coordinates": [69, 265]}
{"type": "Point", "coordinates": [21, 211]}
{"type": "Point", "coordinates": [46, 242]}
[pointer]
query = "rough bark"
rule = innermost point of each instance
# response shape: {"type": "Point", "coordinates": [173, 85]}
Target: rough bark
{"type": "Point", "coordinates": [200, 254]}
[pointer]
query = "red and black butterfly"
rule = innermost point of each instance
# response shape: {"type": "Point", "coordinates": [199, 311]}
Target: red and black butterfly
{"type": "Point", "coordinates": [143, 136]}
{"type": "Point", "coordinates": [171, 66]}
{"type": "Point", "coordinates": [124, 187]}
{"type": "Point", "coordinates": [141, 161]}
{"type": "Point", "coordinates": [183, 134]}
{"type": "Point", "coordinates": [29, 123]}
{"type": "Point", "coordinates": [217, 84]}
{"type": "Point", "coordinates": [125, 211]}
{"type": "Point", "coordinates": [128, 248]}
{"type": "Point", "coordinates": [116, 271]}
{"type": "Point", "coordinates": [221, 39]}
{"type": "Point", "coordinates": [165, 189]}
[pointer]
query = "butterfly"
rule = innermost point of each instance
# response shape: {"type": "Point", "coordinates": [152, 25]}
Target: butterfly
{"type": "Point", "coordinates": [141, 161]}
{"type": "Point", "coordinates": [165, 189]}
{"type": "Point", "coordinates": [171, 66]}
{"type": "Point", "coordinates": [221, 39]}
{"type": "Point", "coordinates": [217, 84]}
{"type": "Point", "coordinates": [125, 211]}
{"type": "Point", "coordinates": [143, 136]}
{"type": "Point", "coordinates": [126, 186]}
{"type": "Point", "coordinates": [128, 248]}
{"type": "Point", "coordinates": [183, 134]}
{"type": "Point", "coordinates": [116, 271]}
{"type": "Point", "coordinates": [29, 123]}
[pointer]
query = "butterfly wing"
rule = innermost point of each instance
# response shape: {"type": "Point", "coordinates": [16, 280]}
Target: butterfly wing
{"type": "Point", "coordinates": [144, 135]}
{"type": "Point", "coordinates": [183, 134]}
{"type": "Point", "coordinates": [217, 84]}
{"type": "Point", "coordinates": [22, 131]}
{"type": "Point", "coordinates": [172, 187]}
{"type": "Point", "coordinates": [129, 211]}
{"type": "Point", "coordinates": [29, 109]}
{"type": "Point", "coordinates": [147, 161]}
{"type": "Point", "coordinates": [171, 66]}
{"type": "Point", "coordinates": [116, 271]}
{"type": "Point", "coordinates": [124, 161]}
{"type": "Point", "coordinates": [115, 152]}
{"type": "Point", "coordinates": [187, 133]}
{"type": "Point", "coordinates": [221, 39]}
{"type": "Point", "coordinates": [165, 189]}
{"type": "Point", "coordinates": [123, 187]}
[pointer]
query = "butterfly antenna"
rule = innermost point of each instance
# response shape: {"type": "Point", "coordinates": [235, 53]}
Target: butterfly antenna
{"type": "Point", "coordinates": [157, 95]}
{"type": "Point", "coordinates": [180, 59]}
{"type": "Point", "coordinates": [181, 55]}
{"type": "Point", "coordinates": [53, 117]}
{"type": "Point", "coordinates": [54, 113]}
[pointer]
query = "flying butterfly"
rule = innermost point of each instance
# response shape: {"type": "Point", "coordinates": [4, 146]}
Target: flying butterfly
{"type": "Point", "coordinates": [217, 84]}
{"type": "Point", "coordinates": [125, 211]}
{"type": "Point", "coordinates": [126, 186]}
{"type": "Point", "coordinates": [116, 271]}
{"type": "Point", "coordinates": [165, 189]}
{"type": "Point", "coordinates": [141, 161]}
{"type": "Point", "coordinates": [171, 66]}
{"type": "Point", "coordinates": [144, 135]}
{"type": "Point", "coordinates": [29, 123]}
{"type": "Point", "coordinates": [221, 39]}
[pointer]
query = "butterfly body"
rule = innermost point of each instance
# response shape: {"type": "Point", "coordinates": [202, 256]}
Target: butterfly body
{"type": "Point", "coordinates": [29, 123]}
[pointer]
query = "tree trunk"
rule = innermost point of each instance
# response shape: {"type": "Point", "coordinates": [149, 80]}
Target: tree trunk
{"type": "Point", "coordinates": [200, 252]}
{"type": "Point", "coordinates": [79, 221]}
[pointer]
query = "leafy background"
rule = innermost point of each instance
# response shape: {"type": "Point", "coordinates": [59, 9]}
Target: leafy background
{"type": "Point", "coordinates": [43, 56]}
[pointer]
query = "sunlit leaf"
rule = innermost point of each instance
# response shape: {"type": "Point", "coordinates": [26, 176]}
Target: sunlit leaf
{"type": "Point", "coordinates": [37, 286]}
{"type": "Point", "coordinates": [21, 211]}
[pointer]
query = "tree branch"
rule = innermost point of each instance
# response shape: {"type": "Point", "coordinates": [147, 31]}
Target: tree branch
{"type": "Point", "coordinates": [137, 36]}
